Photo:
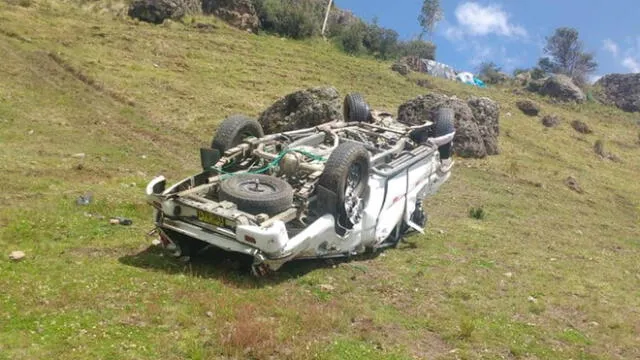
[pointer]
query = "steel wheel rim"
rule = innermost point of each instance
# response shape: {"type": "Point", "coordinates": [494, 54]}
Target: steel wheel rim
{"type": "Point", "coordinates": [352, 200]}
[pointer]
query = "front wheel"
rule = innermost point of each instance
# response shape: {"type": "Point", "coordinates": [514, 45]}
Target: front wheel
{"type": "Point", "coordinates": [346, 174]}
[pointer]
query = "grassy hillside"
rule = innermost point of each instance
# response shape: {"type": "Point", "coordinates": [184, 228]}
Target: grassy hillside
{"type": "Point", "coordinates": [547, 274]}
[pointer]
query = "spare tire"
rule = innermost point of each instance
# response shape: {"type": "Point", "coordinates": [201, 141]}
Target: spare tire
{"type": "Point", "coordinates": [346, 174]}
{"type": "Point", "coordinates": [257, 193]}
{"type": "Point", "coordinates": [356, 109]}
{"type": "Point", "coordinates": [444, 126]}
{"type": "Point", "coordinates": [234, 130]}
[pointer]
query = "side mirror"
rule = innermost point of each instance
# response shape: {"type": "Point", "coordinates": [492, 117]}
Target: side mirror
{"type": "Point", "coordinates": [209, 157]}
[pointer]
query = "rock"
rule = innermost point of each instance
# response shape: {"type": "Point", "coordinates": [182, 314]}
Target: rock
{"type": "Point", "coordinates": [581, 127]}
{"type": "Point", "coordinates": [598, 148]}
{"type": "Point", "coordinates": [523, 79]}
{"type": "Point", "coordinates": [156, 242]}
{"type": "Point", "coordinates": [327, 287]}
{"type": "Point", "coordinates": [302, 109]}
{"type": "Point", "coordinates": [562, 88]}
{"type": "Point", "coordinates": [621, 90]}
{"type": "Point", "coordinates": [238, 13]}
{"type": "Point", "coordinates": [423, 83]}
{"type": "Point", "coordinates": [157, 11]}
{"type": "Point", "coordinates": [535, 85]}
{"type": "Point", "coordinates": [78, 156]}
{"type": "Point", "coordinates": [17, 255]}
{"type": "Point", "coordinates": [476, 121]}
{"type": "Point", "coordinates": [401, 68]}
{"type": "Point", "coordinates": [528, 107]}
{"type": "Point", "coordinates": [84, 200]}
{"type": "Point", "coordinates": [550, 121]}
{"type": "Point", "coordinates": [486, 113]}
{"type": "Point", "coordinates": [572, 184]}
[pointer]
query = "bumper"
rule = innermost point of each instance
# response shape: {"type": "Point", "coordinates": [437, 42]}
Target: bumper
{"type": "Point", "coordinates": [272, 246]}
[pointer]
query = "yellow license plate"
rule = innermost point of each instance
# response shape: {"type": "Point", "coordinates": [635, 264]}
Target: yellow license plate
{"type": "Point", "coordinates": [214, 220]}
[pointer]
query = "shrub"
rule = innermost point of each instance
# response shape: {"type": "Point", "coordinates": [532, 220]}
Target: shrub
{"type": "Point", "coordinates": [477, 213]}
{"type": "Point", "coordinates": [352, 38]}
{"type": "Point", "coordinates": [418, 48]}
{"type": "Point", "coordinates": [380, 42]}
{"type": "Point", "coordinates": [292, 18]}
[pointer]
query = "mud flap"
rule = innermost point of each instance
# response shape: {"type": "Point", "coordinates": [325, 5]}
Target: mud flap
{"type": "Point", "coordinates": [327, 203]}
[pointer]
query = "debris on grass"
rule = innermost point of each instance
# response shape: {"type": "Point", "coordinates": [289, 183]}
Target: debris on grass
{"type": "Point", "coordinates": [572, 184]}
{"type": "Point", "coordinates": [17, 255]}
{"type": "Point", "coordinates": [120, 221]}
{"type": "Point", "coordinates": [84, 200]}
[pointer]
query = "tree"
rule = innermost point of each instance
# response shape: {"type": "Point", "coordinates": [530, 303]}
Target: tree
{"type": "Point", "coordinates": [490, 73]}
{"type": "Point", "coordinates": [430, 15]}
{"type": "Point", "coordinates": [566, 55]}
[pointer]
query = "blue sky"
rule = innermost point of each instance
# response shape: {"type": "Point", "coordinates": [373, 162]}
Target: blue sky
{"type": "Point", "coordinates": [512, 32]}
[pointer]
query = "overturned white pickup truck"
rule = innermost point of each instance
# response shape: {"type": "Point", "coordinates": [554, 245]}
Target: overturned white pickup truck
{"type": "Point", "coordinates": [338, 189]}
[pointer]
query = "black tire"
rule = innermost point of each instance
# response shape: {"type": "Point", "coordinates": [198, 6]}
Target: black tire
{"type": "Point", "coordinates": [347, 157]}
{"type": "Point", "coordinates": [270, 196]}
{"type": "Point", "coordinates": [233, 130]}
{"type": "Point", "coordinates": [444, 125]}
{"type": "Point", "coordinates": [355, 109]}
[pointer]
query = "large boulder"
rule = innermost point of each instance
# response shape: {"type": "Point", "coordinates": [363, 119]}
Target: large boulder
{"type": "Point", "coordinates": [401, 68]}
{"type": "Point", "coordinates": [238, 13]}
{"type": "Point", "coordinates": [302, 109]}
{"type": "Point", "coordinates": [157, 11]}
{"type": "Point", "coordinates": [476, 121]}
{"type": "Point", "coordinates": [621, 90]}
{"type": "Point", "coordinates": [561, 87]}
{"type": "Point", "coordinates": [528, 107]}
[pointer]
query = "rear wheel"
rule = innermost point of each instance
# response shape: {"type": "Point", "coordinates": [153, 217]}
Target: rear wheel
{"type": "Point", "coordinates": [356, 109]}
{"type": "Point", "coordinates": [234, 130]}
{"type": "Point", "coordinates": [346, 174]}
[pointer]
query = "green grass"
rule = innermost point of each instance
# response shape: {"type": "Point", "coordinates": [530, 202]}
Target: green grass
{"type": "Point", "coordinates": [139, 100]}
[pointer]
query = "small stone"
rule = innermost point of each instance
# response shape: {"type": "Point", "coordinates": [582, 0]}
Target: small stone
{"type": "Point", "coordinates": [508, 274]}
{"type": "Point", "coordinates": [30, 132]}
{"type": "Point", "coordinates": [441, 232]}
{"type": "Point", "coordinates": [143, 156]}
{"type": "Point", "coordinates": [508, 114]}
{"type": "Point", "coordinates": [327, 287]}
{"type": "Point", "coordinates": [17, 255]}
{"type": "Point", "coordinates": [156, 242]}
{"type": "Point", "coordinates": [209, 314]}
{"type": "Point", "coordinates": [79, 156]}
{"type": "Point", "coordinates": [114, 221]}
{"type": "Point", "coordinates": [532, 299]}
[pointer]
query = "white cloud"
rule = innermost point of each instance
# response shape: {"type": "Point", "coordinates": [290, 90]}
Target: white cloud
{"type": "Point", "coordinates": [478, 20]}
{"type": "Point", "coordinates": [611, 47]}
{"type": "Point", "coordinates": [632, 64]}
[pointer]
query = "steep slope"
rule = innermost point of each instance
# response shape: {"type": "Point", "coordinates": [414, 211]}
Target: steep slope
{"type": "Point", "coordinates": [548, 273]}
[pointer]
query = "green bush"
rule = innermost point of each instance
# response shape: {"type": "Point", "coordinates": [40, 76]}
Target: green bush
{"type": "Point", "coordinates": [380, 42]}
{"type": "Point", "coordinates": [352, 38]}
{"type": "Point", "coordinates": [297, 19]}
{"type": "Point", "coordinates": [417, 48]}
{"type": "Point", "coordinates": [477, 213]}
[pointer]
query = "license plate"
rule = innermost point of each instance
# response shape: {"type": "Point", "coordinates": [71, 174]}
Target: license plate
{"type": "Point", "coordinates": [215, 220]}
